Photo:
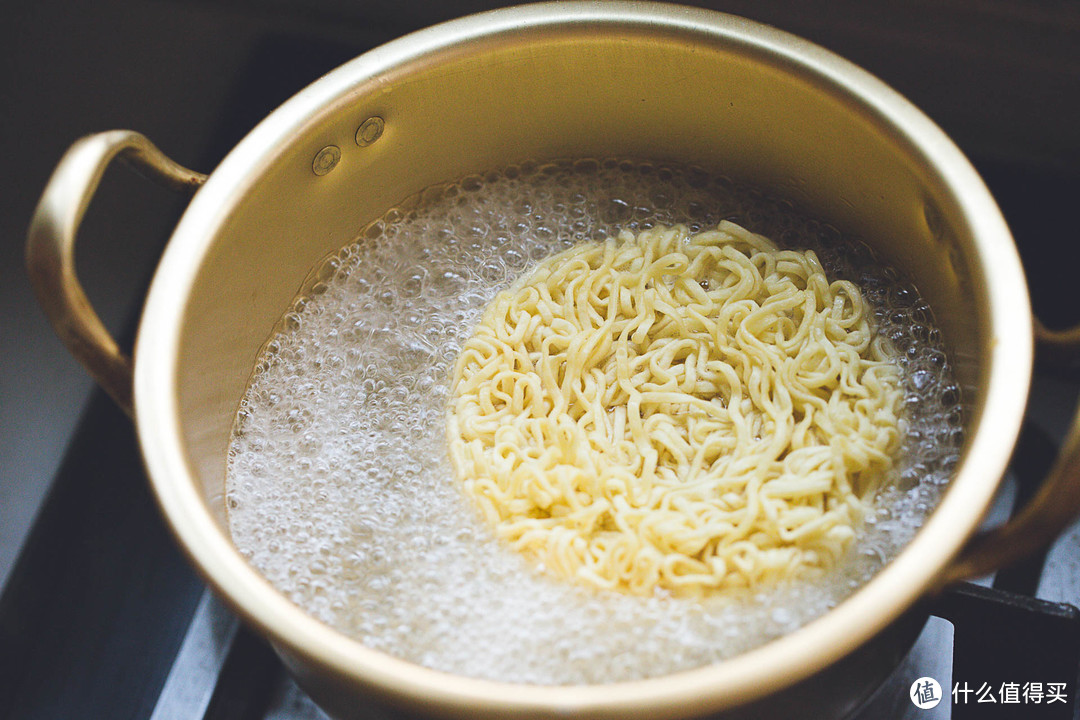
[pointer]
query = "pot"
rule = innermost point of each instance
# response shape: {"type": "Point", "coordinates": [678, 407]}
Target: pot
{"type": "Point", "coordinates": [545, 81]}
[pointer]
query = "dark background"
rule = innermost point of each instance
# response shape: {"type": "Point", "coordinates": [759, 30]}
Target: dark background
{"type": "Point", "coordinates": [1002, 77]}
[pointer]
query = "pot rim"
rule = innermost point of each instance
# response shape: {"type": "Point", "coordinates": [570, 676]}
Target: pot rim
{"type": "Point", "coordinates": [746, 676]}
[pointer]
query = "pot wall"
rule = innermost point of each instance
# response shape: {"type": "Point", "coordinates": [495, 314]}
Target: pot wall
{"type": "Point", "coordinates": [630, 90]}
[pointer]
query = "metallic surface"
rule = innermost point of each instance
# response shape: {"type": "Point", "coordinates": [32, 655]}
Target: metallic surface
{"type": "Point", "coordinates": [326, 160]}
{"type": "Point", "coordinates": [578, 80]}
{"type": "Point", "coordinates": [1052, 509]}
{"type": "Point", "coordinates": [370, 131]}
{"type": "Point", "coordinates": [50, 248]}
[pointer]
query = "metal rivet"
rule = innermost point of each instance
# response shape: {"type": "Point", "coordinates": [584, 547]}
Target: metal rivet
{"type": "Point", "coordinates": [369, 131]}
{"type": "Point", "coordinates": [326, 160]}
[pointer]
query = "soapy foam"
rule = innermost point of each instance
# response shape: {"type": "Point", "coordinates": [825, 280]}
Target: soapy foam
{"type": "Point", "coordinates": [340, 491]}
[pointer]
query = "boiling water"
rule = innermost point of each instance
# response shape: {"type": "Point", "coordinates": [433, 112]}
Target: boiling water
{"type": "Point", "coordinates": [341, 493]}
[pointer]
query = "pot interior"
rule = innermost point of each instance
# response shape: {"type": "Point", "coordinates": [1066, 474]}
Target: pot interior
{"type": "Point", "coordinates": [732, 97]}
{"type": "Point", "coordinates": [568, 92]}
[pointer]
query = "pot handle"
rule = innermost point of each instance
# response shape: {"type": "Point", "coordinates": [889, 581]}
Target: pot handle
{"type": "Point", "coordinates": [50, 248]}
{"type": "Point", "coordinates": [1053, 508]}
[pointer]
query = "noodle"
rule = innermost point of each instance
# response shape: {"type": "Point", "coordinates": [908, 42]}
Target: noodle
{"type": "Point", "coordinates": [677, 412]}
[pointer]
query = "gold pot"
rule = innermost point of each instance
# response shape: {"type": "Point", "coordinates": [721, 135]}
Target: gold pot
{"type": "Point", "coordinates": [545, 81]}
